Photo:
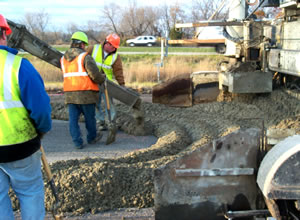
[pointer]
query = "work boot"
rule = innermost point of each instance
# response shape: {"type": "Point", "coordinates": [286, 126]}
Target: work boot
{"type": "Point", "coordinates": [96, 139]}
{"type": "Point", "coordinates": [101, 126]}
{"type": "Point", "coordinates": [81, 146]}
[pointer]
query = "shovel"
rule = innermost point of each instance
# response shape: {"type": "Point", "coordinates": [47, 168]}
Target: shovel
{"type": "Point", "coordinates": [55, 206]}
{"type": "Point", "coordinates": [112, 129]}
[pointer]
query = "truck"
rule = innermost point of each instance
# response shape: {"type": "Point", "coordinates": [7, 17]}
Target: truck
{"type": "Point", "coordinates": [242, 175]}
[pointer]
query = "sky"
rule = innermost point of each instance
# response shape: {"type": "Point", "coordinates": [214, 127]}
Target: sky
{"type": "Point", "coordinates": [68, 11]}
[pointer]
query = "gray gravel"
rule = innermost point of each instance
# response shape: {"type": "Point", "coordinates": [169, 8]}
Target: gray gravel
{"type": "Point", "coordinates": [120, 214]}
{"type": "Point", "coordinates": [58, 144]}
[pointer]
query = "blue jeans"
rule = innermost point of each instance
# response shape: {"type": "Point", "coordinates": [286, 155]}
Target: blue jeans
{"type": "Point", "coordinates": [25, 178]}
{"type": "Point", "coordinates": [88, 111]}
{"type": "Point", "coordinates": [100, 114]}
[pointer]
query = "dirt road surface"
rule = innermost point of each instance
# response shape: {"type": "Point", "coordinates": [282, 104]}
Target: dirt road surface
{"type": "Point", "coordinates": [95, 186]}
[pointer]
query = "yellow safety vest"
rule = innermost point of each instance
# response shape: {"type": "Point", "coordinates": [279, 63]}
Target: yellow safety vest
{"type": "Point", "coordinates": [16, 126]}
{"type": "Point", "coordinates": [105, 65]}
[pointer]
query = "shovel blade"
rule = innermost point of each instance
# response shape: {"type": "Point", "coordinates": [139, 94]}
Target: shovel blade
{"type": "Point", "coordinates": [112, 132]}
{"type": "Point", "coordinates": [58, 217]}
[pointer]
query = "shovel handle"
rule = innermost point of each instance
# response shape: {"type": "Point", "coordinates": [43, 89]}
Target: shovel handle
{"type": "Point", "coordinates": [52, 185]}
{"type": "Point", "coordinates": [107, 101]}
{"type": "Point", "coordinates": [106, 96]}
{"type": "Point", "coordinates": [45, 164]}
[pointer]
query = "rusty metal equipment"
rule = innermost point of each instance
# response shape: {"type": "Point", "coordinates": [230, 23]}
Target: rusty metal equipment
{"type": "Point", "coordinates": [278, 178]}
{"type": "Point", "coordinates": [207, 182]}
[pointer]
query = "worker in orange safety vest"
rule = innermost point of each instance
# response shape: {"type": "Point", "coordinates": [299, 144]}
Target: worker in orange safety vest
{"type": "Point", "coordinates": [81, 80]}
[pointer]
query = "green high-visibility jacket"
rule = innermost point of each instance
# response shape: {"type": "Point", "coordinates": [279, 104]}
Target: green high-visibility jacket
{"type": "Point", "coordinates": [16, 126]}
{"type": "Point", "coordinates": [105, 65]}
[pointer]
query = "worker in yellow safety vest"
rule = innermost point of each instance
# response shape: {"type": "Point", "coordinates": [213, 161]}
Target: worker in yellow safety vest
{"type": "Point", "coordinates": [108, 60]}
{"type": "Point", "coordinates": [25, 116]}
{"type": "Point", "coordinates": [81, 79]}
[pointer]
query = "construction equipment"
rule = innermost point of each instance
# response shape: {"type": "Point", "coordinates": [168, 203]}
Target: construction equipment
{"type": "Point", "coordinates": [260, 53]}
{"type": "Point", "coordinates": [112, 129]}
{"type": "Point", "coordinates": [236, 177]}
{"type": "Point", "coordinates": [206, 36]}
{"type": "Point", "coordinates": [218, 180]}
{"type": "Point", "coordinates": [218, 43]}
{"type": "Point", "coordinates": [257, 48]}
{"type": "Point", "coordinates": [49, 175]}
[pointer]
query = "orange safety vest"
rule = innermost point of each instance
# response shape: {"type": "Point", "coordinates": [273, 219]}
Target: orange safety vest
{"type": "Point", "coordinates": [75, 75]}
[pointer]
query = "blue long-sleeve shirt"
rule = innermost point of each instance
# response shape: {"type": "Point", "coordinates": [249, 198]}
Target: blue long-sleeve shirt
{"type": "Point", "coordinates": [37, 102]}
{"type": "Point", "coordinates": [33, 94]}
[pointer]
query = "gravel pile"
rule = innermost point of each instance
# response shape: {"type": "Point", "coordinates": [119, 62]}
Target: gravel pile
{"type": "Point", "coordinates": [93, 185]}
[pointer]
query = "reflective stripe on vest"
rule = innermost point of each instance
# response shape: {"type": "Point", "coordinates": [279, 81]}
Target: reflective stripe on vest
{"type": "Point", "coordinates": [16, 126]}
{"type": "Point", "coordinates": [108, 62]}
{"type": "Point", "coordinates": [75, 75]}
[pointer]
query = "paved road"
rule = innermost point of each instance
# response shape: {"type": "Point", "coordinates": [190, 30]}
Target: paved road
{"type": "Point", "coordinates": [59, 146]}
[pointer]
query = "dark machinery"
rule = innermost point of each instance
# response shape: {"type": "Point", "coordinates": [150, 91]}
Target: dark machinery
{"type": "Point", "coordinates": [234, 177]}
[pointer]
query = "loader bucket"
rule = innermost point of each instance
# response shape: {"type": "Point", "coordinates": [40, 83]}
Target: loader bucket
{"type": "Point", "coordinates": [208, 182]}
{"type": "Point", "coordinates": [187, 89]}
{"type": "Point", "coordinates": [175, 92]}
{"type": "Point", "coordinates": [205, 86]}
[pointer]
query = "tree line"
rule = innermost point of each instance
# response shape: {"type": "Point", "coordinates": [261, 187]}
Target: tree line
{"type": "Point", "coordinates": [127, 22]}
{"type": "Point", "coordinates": [130, 21]}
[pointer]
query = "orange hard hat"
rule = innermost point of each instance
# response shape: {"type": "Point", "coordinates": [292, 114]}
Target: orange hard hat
{"type": "Point", "coordinates": [4, 25]}
{"type": "Point", "coordinates": [114, 40]}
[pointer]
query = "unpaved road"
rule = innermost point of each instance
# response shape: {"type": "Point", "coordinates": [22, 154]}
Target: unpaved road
{"type": "Point", "coordinates": [96, 185]}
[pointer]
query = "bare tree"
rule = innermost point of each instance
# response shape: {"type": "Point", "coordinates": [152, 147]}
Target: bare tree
{"type": "Point", "coordinates": [95, 32]}
{"type": "Point", "coordinates": [137, 20]}
{"type": "Point", "coordinates": [177, 14]}
{"type": "Point", "coordinates": [111, 18]}
{"type": "Point", "coordinates": [37, 22]}
{"type": "Point", "coordinates": [170, 15]}
{"type": "Point", "coordinates": [55, 36]}
{"type": "Point", "coordinates": [155, 28]}
{"type": "Point", "coordinates": [129, 21]}
{"type": "Point", "coordinates": [203, 9]}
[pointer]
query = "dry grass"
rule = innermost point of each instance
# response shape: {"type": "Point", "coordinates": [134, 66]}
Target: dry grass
{"type": "Point", "coordinates": [144, 71]}
{"type": "Point", "coordinates": [147, 71]}
{"type": "Point", "coordinates": [51, 75]}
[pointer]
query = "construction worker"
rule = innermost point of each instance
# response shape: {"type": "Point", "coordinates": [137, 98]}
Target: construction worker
{"type": "Point", "coordinates": [25, 115]}
{"type": "Point", "coordinates": [110, 62]}
{"type": "Point", "coordinates": [81, 79]}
